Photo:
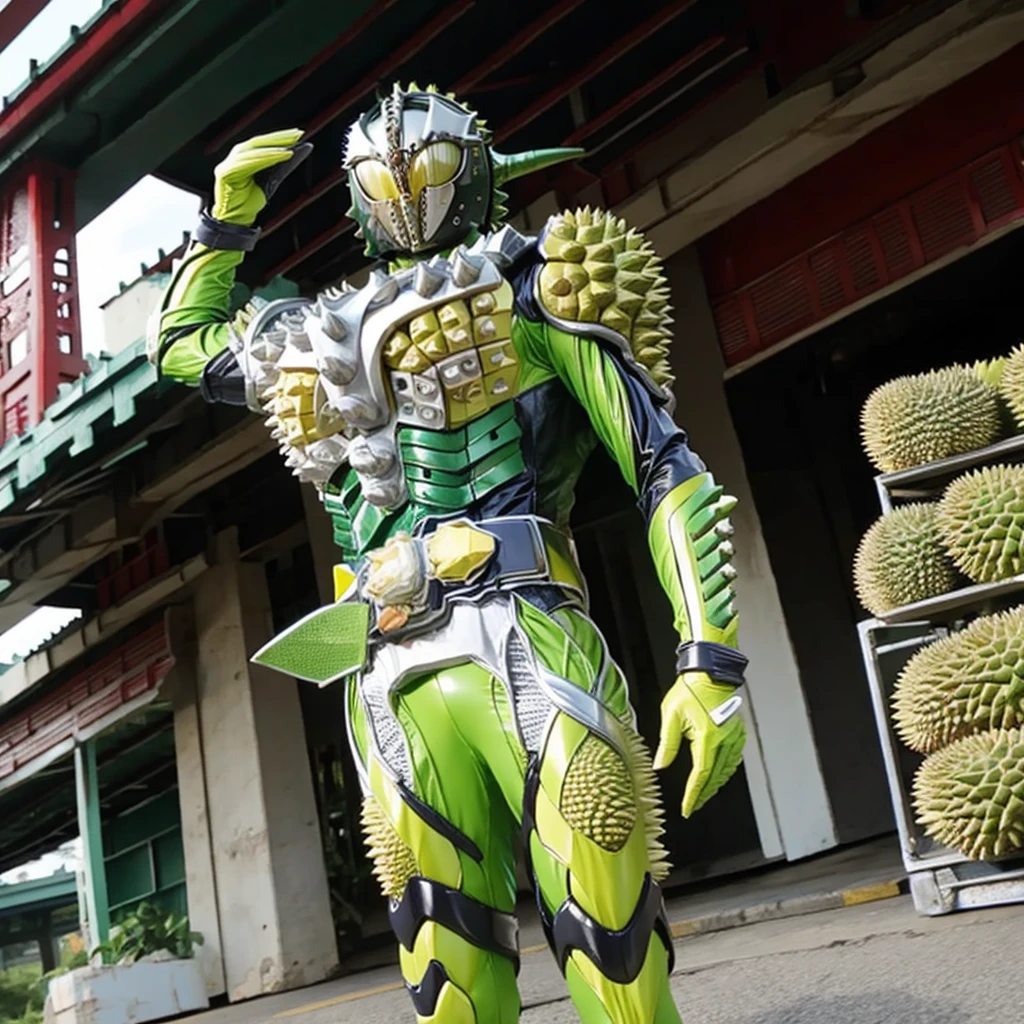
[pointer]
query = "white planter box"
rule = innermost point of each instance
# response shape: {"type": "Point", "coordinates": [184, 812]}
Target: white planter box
{"type": "Point", "coordinates": [126, 995]}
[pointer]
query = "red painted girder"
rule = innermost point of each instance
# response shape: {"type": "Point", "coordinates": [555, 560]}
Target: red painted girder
{"type": "Point", "coordinates": [416, 42]}
{"type": "Point", "coordinates": [95, 48]}
{"type": "Point", "coordinates": [293, 81]}
{"type": "Point", "coordinates": [322, 187]}
{"type": "Point", "coordinates": [594, 68]}
{"type": "Point", "coordinates": [596, 124]}
{"type": "Point", "coordinates": [304, 252]}
{"type": "Point", "coordinates": [515, 45]}
{"type": "Point", "coordinates": [15, 17]}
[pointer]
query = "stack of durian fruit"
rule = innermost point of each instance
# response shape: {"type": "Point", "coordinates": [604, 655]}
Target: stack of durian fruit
{"type": "Point", "coordinates": [959, 700]}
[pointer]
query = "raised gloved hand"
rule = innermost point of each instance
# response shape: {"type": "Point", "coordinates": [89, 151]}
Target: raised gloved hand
{"type": "Point", "coordinates": [717, 750]}
{"type": "Point", "coordinates": [244, 179]}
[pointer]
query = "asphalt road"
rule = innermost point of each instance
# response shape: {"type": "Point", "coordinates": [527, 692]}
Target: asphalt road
{"type": "Point", "coordinates": [875, 964]}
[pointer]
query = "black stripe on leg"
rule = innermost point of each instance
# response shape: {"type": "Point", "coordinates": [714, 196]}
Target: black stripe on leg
{"type": "Point", "coordinates": [481, 925]}
{"type": "Point", "coordinates": [441, 824]}
{"type": "Point", "coordinates": [426, 994]}
{"type": "Point", "coordinates": [530, 788]}
{"type": "Point", "coordinates": [619, 955]}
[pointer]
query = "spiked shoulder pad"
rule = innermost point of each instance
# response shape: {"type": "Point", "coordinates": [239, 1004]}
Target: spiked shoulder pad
{"type": "Point", "coordinates": [602, 278]}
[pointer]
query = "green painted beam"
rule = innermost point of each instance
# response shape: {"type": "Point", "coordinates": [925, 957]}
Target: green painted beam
{"type": "Point", "coordinates": [58, 889]}
{"type": "Point", "coordinates": [261, 53]}
{"type": "Point", "coordinates": [90, 829]}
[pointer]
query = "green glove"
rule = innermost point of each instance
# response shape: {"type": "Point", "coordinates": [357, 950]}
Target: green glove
{"type": "Point", "coordinates": [237, 198]}
{"type": "Point", "coordinates": [717, 750]}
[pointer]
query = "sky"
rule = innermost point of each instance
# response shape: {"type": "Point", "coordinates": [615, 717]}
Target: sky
{"type": "Point", "coordinates": [150, 216]}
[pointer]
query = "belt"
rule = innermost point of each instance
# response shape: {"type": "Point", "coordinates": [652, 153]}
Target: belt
{"type": "Point", "coordinates": [410, 583]}
{"type": "Point", "coordinates": [408, 587]}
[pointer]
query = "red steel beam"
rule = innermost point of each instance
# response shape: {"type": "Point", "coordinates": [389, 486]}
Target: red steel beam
{"type": "Point", "coordinates": [322, 187]}
{"type": "Point", "coordinates": [96, 47]}
{"type": "Point", "coordinates": [412, 46]}
{"type": "Point", "coordinates": [290, 84]}
{"type": "Point", "coordinates": [408, 49]}
{"type": "Point", "coordinates": [336, 230]}
{"type": "Point", "coordinates": [15, 17]}
{"type": "Point", "coordinates": [515, 45]}
{"type": "Point", "coordinates": [585, 131]}
{"type": "Point", "coordinates": [595, 67]}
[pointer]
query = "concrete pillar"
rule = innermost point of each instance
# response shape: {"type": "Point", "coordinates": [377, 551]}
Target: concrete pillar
{"type": "Point", "coordinates": [787, 786]}
{"type": "Point", "coordinates": [271, 887]}
{"type": "Point", "coordinates": [200, 883]}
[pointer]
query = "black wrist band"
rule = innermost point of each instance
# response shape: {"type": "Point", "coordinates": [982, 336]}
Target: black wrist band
{"type": "Point", "coordinates": [723, 664]}
{"type": "Point", "coordinates": [219, 234]}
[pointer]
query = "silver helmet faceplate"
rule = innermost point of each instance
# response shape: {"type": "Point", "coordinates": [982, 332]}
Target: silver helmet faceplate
{"type": "Point", "coordinates": [419, 173]}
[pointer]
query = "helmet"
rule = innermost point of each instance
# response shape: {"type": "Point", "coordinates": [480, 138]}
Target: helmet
{"type": "Point", "coordinates": [421, 173]}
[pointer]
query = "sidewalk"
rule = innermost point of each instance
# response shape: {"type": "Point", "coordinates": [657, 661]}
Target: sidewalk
{"type": "Point", "coordinates": [851, 877]}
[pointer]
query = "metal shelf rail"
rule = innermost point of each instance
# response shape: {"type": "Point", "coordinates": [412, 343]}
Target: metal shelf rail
{"type": "Point", "coordinates": [941, 880]}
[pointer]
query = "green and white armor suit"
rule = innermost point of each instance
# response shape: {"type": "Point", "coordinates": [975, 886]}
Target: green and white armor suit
{"type": "Point", "coordinates": [444, 411]}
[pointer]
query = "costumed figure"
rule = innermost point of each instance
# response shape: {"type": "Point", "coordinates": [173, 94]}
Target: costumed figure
{"type": "Point", "coordinates": [444, 411]}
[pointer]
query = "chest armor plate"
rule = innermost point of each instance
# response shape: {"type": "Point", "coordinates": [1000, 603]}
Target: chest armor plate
{"type": "Point", "coordinates": [355, 375]}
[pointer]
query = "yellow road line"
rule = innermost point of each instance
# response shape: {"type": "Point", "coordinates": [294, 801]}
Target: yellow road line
{"type": "Point", "coordinates": [870, 893]}
{"type": "Point", "coordinates": [350, 997]}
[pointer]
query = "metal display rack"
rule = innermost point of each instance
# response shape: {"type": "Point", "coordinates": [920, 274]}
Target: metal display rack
{"type": "Point", "coordinates": [941, 880]}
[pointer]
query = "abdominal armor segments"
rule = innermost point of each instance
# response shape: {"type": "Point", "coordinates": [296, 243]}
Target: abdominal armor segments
{"type": "Point", "coordinates": [427, 346]}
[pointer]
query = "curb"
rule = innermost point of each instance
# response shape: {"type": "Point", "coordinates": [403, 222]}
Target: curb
{"type": "Point", "coordinates": [795, 906]}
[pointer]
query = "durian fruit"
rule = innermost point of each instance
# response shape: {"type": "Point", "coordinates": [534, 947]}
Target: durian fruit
{"type": "Point", "coordinates": [991, 372]}
{"type": "Point", "coordinates": [1011, 385]}
{"type": "Point", "coordinates": [901, 560]}
{"type": "Point", "coordinates": [981, 522]}
{"type": "Point", "coordinates": [970, 795]}
{"type": "Point", "coordinates": [913, 420]}
{"type": "Point", "coordinates": [965, 683]}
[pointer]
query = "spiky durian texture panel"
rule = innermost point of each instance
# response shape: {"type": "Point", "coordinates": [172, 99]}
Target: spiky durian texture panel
{"type": "Point", "coordinates": [648, 798]}
{"type": "Point", "coordinates": [393, 861]}
{"type": "Point", "coordinates": [968, 682]}
{"type": "Point", "coordinates": [1011, 385]}
{"type": "Point", "coordinates": [970, 795]}
{"type": "Point", "coordinates": [981, 521]}
{"type": "Point", "coordinates": [598, 270]}
{"type": "Point", "coordinates": [901, 560]}
{"type": "Point", "coordinates": [913, 420]}
{"type": "Point", "coordinates": [598, 798]}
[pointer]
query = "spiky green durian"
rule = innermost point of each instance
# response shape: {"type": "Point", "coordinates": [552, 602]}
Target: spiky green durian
{"type": "Point", "coordinates": [991, 372]}
{"type": "Point", "coordinates": [901, 560]}
{"type": "Point", "coordinates": [1011, 385]}
{"type": "Point", "coordinates": [981, 522]}
{"type": "Point", "coordinates": [913, 420]}
{"type": "Point", "coordinates": [965, 683]}
{"type": "Point", "coordinates": [970, 795]}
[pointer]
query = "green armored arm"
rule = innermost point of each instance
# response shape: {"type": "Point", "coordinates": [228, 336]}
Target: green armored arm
{"type": "Point", "coordinates": [613, 363]}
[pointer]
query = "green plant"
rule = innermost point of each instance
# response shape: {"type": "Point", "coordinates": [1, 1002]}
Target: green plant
{"type": "Point", "coordinates": [145, 931]}
{"type": "Point", "coordinates": [19, 993]}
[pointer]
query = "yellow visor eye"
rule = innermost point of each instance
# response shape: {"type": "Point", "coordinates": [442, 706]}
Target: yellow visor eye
{"type": "Point", "coordinates": [376, 180]}
{"type": "Point", "coordinates": [435, 164]}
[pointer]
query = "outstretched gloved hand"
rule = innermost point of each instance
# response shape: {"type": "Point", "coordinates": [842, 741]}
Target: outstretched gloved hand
{"type": "Point", "coordinates": [241, 186]}
{"type": "Point", "coordinates": [717, 750]}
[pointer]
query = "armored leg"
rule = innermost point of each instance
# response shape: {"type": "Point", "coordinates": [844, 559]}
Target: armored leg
{"type": "Point", "coordinates": [443, 846]}
{"type": "Point", "coordinates": [592, 824]}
